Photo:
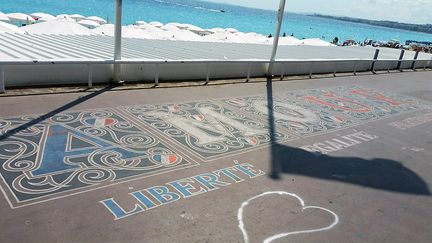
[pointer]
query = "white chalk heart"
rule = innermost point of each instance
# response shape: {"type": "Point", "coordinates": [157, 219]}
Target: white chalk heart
{"type": "Point", "coordinates": [281, 235]}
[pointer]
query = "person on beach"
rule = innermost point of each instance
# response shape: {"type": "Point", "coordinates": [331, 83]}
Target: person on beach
{"type": "Point", "coordinates": [335, 41]}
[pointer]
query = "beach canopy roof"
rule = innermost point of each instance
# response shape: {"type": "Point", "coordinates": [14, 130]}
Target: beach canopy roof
{"type": "Point", "coordinates": [57, 27]}
{"type": "Point", "coordinates": [45, 16]}
{"type": "Point", "coordinates": [89, 23]}
{"type": "Point", "coordinates": [3, 17]}
{"type": "Point", "coordinates": [20, 18]}
{"type": "Point", "coordinates": [97, 19]}
{"type": "Point", "coordinates": [9, 28]}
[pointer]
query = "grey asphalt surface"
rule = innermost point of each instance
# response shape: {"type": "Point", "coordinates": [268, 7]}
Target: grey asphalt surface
{"type": "Point", "coordinates": [375, 191]}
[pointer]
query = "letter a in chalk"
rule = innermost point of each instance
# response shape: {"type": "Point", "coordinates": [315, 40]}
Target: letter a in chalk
{"type": "Point", "coordinates": [61, 142]}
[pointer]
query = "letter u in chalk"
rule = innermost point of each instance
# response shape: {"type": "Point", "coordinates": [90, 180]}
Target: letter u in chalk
{"type": "Point", "coordinates": [341, 103]}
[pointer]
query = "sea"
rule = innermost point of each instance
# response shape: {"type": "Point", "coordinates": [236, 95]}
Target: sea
{"type": "Point", "coordinates": [210, 15]}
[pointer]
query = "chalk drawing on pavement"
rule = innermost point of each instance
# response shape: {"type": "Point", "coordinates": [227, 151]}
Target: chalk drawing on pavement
{"type": "Point", "coordinates": [241, 225]}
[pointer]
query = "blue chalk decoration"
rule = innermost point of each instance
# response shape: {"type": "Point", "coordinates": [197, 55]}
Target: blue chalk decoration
{"type": "Point", "coordinates": [163, 195]}
{"type": "Point", "coordinates": [210, 181]}
{"type": "Point", "coordinates": [118, 211]}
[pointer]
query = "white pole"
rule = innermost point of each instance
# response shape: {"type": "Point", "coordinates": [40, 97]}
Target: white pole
{"type": "Point", "coordinates": [117, 40]}
{"type": "Point", "coordinates": [276, 36]}
{"type": "Point", "coordinates": [2, 80]}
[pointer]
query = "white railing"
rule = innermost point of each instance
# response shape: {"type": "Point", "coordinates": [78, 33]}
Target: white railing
{"type": "Point", "coordinates": [375, 64]}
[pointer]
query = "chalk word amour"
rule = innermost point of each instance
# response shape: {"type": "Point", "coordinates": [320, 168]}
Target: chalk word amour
{"type": "Point", "coordinates": [184, 188]}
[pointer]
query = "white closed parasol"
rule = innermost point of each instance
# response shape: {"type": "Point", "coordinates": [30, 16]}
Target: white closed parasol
{"type": "Point", "coordinates": [44, 16]}
{"type": "Point", "coordinates": [3, 17]}
{"type": "Point", "coordinates": [20, 18]}
{"type": "Point", "coordinates": [57, 27]}
{"type": "Point", "coordinates": [97, 19]}
{"type": "Point", "coordinates": [9, 28]}
{"type": "Point", "coordinates": [89, 23]}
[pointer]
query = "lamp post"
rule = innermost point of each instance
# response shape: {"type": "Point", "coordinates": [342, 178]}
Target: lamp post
{"type": "Point", "coordinates": [276, 36]}
{"type": "Point", "coordinates": [117, 41]}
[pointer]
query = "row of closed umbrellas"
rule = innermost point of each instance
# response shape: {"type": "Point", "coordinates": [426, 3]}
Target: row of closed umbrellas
{"type": "Point", "coordinates": [79, 25]}
{"type": "Point", "coordinates": [20, 19]}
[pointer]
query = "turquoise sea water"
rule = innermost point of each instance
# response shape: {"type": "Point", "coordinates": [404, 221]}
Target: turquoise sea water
{"type": "Point", "coordinates": [208, 15]}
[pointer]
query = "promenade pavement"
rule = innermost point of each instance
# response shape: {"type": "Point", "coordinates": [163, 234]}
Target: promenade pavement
{"type": "Point", "coordinates": [345, 159]}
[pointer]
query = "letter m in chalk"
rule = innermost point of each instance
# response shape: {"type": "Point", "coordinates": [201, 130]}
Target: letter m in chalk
{"type": "Point", "coordinates": [61, 143]}
{"type": "Point", "coordinates": [209, 126]}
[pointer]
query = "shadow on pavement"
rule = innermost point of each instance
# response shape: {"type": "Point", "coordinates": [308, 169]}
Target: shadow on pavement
{"type": "Point", "coordinates": [54, 112]}
{"type": "Point", "coordinates": [377, 173]}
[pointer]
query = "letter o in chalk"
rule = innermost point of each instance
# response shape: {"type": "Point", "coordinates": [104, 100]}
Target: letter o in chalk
{"type": "Point", "coordinates": [306, 115]}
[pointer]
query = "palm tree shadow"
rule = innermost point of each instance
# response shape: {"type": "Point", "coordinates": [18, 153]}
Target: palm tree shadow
{"type": "Point", "coordinates": [382, 174]}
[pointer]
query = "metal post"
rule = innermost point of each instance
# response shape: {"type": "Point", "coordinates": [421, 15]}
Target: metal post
{"type": "Point", "coordinates": [374, 61]}
{"type": "Point", "coordinates": [335, 69]}
{"type": "Point", "coordinates": [248, 72]}
{"type": "Point", "coordinates": [282, 71]}
{"type": "Point", "coordinates": [400, 60]}
{"type": "Point", "coordinates": [276, 36]}
{"type": "Point", "coordinates": [117, 41]}
{"type": "Point", "coordinates": [414, 61]}
{"type": "Point", "coordinates": [310, 71]}
{"type": "Point", "coordinates": [355, 68]}
{"type": "Point", "coordinates": [2, 80]}
{"type": "Point", "coordinates": [207, 73]}
{"type": "Point", "coordinates": [157, 75]}
{"type": "Point", "coordinates": [90, 75]}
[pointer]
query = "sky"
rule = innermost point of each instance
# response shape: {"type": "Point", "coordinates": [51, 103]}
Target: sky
{"type": "Point", "coordinates": [406, 11]}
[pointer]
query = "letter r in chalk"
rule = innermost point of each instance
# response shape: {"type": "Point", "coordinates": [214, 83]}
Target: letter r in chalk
{"type": "Point", "coordinates": [210, 181]}
{"type": "Point", "coordinates": [163, 195]}
{"type": "Point", "coordinates": [185, 187]}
